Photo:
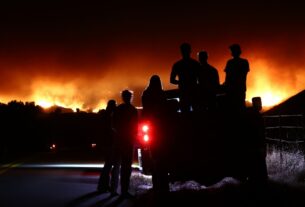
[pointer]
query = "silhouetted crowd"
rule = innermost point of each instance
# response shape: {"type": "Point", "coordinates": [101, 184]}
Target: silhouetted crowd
{"type": "Point", "coordinates": [198, 82]}
{"type": "Point", "coordinates": [208, 117]}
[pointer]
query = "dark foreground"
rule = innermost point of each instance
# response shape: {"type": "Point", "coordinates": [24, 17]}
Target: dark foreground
{"type": "Point", "coordinates": [275, 194]}
{"type": "Point", "coordinates": [77, 188]}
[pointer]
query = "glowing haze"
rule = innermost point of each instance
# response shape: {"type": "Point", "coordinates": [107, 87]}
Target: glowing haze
{"type": "Point", "coordinates": [81, 56]}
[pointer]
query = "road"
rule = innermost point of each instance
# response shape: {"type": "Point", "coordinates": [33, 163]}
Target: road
{"type": "Point", "coordinates": [53, 187]}
{"type": "Point", "coordinates": [34, 182]}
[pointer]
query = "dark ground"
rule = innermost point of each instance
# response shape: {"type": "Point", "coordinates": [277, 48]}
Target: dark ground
{"type": "Point", "coordinates": [77, 188]}
{"type": "Point", "coordinates": [230, 194]}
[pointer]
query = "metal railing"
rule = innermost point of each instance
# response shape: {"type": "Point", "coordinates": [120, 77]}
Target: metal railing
{"type": "Point", "coordinates": [285, 128]}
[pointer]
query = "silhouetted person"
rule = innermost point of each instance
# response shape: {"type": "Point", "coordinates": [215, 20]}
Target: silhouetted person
{"type": "Point", "coordinates": [154, 110]}
{"type": "Point", "coordinates": [112, 160]}
{"type": "Point", "coordinates": [236, 76]}
{"type": "Point", "coordinates": [257, 168]}
{"type": "Point", "coordinates": [208, 80]}
{"type": "Point", "coordinates": [246, 148]}
{"type": "Point", "coordinates": [186, 70]}
{"type": "Point", "coordinates": [126, 127]}
{"type": "Point", "coordinates": [153, 98]}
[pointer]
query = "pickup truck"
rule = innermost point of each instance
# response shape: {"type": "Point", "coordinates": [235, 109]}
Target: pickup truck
{"type": "Point", "coordinates": [204, 146]}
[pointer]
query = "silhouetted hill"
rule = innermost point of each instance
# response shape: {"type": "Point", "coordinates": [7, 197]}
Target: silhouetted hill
{"type": "Point", "coordinates": [294, 105]}
{"type": "Point", "coordinates": [27, 129]}
{"type": "Point", "coordinates": [58, 109]}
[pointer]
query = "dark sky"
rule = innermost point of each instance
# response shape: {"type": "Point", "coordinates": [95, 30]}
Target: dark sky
{"type": "Point", "coordinates": [82, 54]}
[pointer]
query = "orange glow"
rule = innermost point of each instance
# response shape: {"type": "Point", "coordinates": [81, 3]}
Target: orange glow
{"type": "Point", "coordinates": [91, 92]}
{"type": "Point", "coordinates": [101, 105]}
{"type": "Point", "coordinates": [48, 94]}
{"type": "Point", "coordinates": [262, 83]}
{"type": "Point", "coordinates": [44, 103]}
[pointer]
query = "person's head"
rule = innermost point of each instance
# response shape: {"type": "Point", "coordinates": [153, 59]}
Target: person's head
{"type": "Point", "coordinates": [257, 103]}
{"type": "Point", "coordinates": [185, 50]}
{"type": "Point", "coordinates": [203, 57]}
{"type": "Point", "coordinates": [155, 83]}
{"type": "Point", "coordinates": [111, 105]}
{"type": "Point", "coordinates": [126, 96]}
{"type": "Point", "coordinates": [235, 50]}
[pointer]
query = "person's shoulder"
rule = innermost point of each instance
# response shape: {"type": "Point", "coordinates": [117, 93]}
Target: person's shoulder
{"type": "Point", "coordinates": [229, 64]}
{"type": "Point", "coordinates": [238, 61]}
{"type": "Point", "coordinates": [245, 64]}
{"type": "Point", "coordinates": [144, 93]}
{"type": "Point", "coordinates": [194, 61]}
{"type": "Point", "coordinates": [124, 107]}
{"type": "Point", "coordinates": [231, 60]}
{"type": "Point", "coordinates": [119, 107]}
{"type": "Point", "coordinates": [212, 68]}
{"type": "Point", "coordinates": [244, 60]}
{"type": "Point", "coordinates": [177, 63]}
{"type": "Point", "coordinates": [134, 109]}
{"type": "Point", "coordinates": [130, 106]}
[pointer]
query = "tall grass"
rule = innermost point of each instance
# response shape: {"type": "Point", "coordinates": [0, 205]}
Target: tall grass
{"type": "Point", "coordinates": [286, 163]}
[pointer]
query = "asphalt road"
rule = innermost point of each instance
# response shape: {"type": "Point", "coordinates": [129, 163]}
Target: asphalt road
{"type": "Point", "coordinates": [58, 180]}
{"type": "Point", "coordinates": [54, 187]}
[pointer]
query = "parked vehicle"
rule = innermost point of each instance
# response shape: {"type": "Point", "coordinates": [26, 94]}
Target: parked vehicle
{"type": "Point", "coordinates": [205, 146]}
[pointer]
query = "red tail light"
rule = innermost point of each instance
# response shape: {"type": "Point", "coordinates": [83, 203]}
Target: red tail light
{"type": "Point", "coordinates": [145, 128]}
{"type": "Point", "coordinates": [146, 138]}
{"type": "Point", "coordinates": [144, 132]}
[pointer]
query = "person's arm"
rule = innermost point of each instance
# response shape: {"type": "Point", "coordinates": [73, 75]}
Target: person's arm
{"type": "Point", "coordinates": [226, 71]}
{"type": "Point", "coordinates": [135, 122]}
{"type": "Point", "coordinates": [115, 119]}
{"type": "Point", "coordinates": [217, 83]}
{"type": "Point", "coordinates": [173, 76]}
{"type": "Point", "coordinates": [247, 66]}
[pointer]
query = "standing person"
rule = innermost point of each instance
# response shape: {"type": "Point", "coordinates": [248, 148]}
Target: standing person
{"type": "Point", "coordinates": [208, 80]}
{"type": "Point", "coordinates": [256, 146]}
{"type": "Point", "coordinates": [186, 70]}
{"type": "Point", "coordinates": [112, 162]}
{"type": "Point", "coordinates": [154, 109]}
{"type": "Point", "coordinates": [126, 127]}
{"type": "Point", "coordinates": [236, 71]}
{"type": "Point", "coordinates": [153, 98]}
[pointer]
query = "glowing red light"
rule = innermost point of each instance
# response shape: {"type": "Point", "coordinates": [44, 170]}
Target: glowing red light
{"type": "Point", "coordinates": [145, 128]}
{"type": "Point", "coordinates": [93, 145]}
{"type": "Point", "coordinates": [145, 132]}
{"type": "Point", "coordinates": [146, 138]}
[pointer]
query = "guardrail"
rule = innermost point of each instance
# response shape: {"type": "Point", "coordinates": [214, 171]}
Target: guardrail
{"type": "Point", "coordinates": [285, 128]}
{"type": "Point", "coordinates": [285, 141]}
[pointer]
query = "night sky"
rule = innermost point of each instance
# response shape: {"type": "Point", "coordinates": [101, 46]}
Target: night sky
{"type": "Point", "coordinates": [82, 54]}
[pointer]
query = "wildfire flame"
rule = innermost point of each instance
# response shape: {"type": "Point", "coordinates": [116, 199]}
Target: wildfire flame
{"type": "Point", "coordinates": [263, 81]}
{"type": "Point", "coordinates": [261, 84]}
{"type": "Point", "coordinates": [51, 94]}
